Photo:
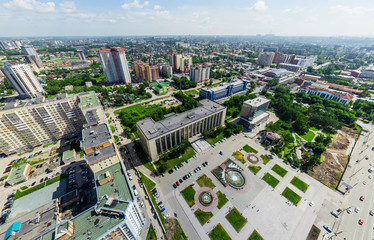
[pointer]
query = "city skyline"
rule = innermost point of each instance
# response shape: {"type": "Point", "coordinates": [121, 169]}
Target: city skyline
{"type": "Point", "coordinates": [140, 17]}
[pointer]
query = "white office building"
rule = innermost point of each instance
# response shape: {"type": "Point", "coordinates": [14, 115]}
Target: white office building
{"type": "Point", "coordinates": [22, 79]}
{"type": "Point", "coordinates": [31, 56]}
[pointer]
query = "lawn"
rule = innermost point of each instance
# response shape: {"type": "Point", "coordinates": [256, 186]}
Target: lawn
{"type": "Point", "coordinates": [144, 158]}
{"type": "Point", "coordinates": [149, 185]}
{"type": "Point", "coordinates": [192, 91]}
{"type": "Point", "coordinates": [151, 235]}
{"type": "Point", "coordinates": [204, 181]}
{"type": "Point", "coordinates": [203, 217]}
{"type": "Point", "coordinates": [255, 236]}
{"type": "Point", "coordinates": [308, 136]}
{"type": "Point", "coordinates": [116, 139]}
{"type": "Point", "coordinates": [222, 200]}
{"type": "Point", "coordinates": [212, 141]}
{"type": "Point", "coordinates": [314, 129]}
{"type": "Point", "coordinates": [238, 155]}
{"type": "Point", "coordinates": [189, 195]}
{"type": "Point", "coordinates": [291, 196]}
{"type": "Point", "coordinates": [236, 219]}
{"type": "Point", "coordinates": [247, 148]}
{"type": "Point", "coordinates": [254, 169]}
{"type": "Point", "coordinates": [272, 181]}
{"type": "Point", "coordinates": [265, 159]}
{"type": "Point", "coordinates": [279, 170]}
{"type": "Point", "coordinates": [107, 114]}
{"type": "Point", "coordinates": [112, 128]}
{"type": "Point", "coordinates": [219, 233]}
{"type": "Point", "coordinates": [169, 164]}
{"type": "Point", "coordinates": [299, 184]}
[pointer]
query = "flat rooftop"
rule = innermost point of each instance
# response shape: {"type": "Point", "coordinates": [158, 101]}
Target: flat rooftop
{"type": "Point", "coordinates": [94, 136]}
{"type": "Point", "coordinates": [152, 129]}
{"type": "Point", "coordinates": [100, 154]}
{"type": "Point", "coordinates": [88, 100]}
{"type": "Point", "coordinates": [223, 85]}
{"type": "Point", "coordinates": [17, 172]}
{"type": "Point", "coordinates": [67, 155]}
{"type": "Point", "coordinates": [256, 102]}
{"type": "Point", "coordinates": [117, 188]}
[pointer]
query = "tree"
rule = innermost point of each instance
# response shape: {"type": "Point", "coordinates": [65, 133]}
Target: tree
{"type": "Point", "coordinates": [228, 132]}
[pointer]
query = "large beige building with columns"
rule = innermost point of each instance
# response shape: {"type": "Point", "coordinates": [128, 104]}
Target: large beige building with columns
{"type": "Point", "coordinates": [159, 137]}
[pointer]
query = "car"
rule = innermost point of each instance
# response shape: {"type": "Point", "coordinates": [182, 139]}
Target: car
{"type": "Point", "coordinates": [32, 184]}
{"type": "Point", "coordinates": [357, 210]}
{"type": "Point", "coordinates": [334, 214]}
{"type": "Point", "coordinates": [191, 174]}
{"type": "Point", "coordinates": [184, 177]}
{"type": "Point", "coordinates": [161, 205]}
{"type": "Point", "coordinates": [203, 164]}
{"type": "Point", "coordinates": [370, 176]}
{"type": "Point", "coordinates": [180, 180]}
{"type": "Point", "coordinates": [349, 210]}
{"type": "Point", "coordinates": [311, 203]}
{"type": "Point", "coordinates": [362, 198]}
{"type": "Point", "coordinates": [154, 190]}
{"type": "Point", "coordinates": [360, 222]}
{"type": "Point", "coordinates": [135, 192]}
{"type": "Point", "coordinates": [370, 170]}
{"type": "Point", "coordinates": [195, 170]}
{"type": "Point", "coordinates": [221, 153]}
{"type": "Point", "coordinates": [372, 149]}
{"type": "Point", "coordinates": [11, 195]}
{"type": "Point", "coordinates": [156, 195]}
{"type": "Point", "coordinates": [186, 161]}
{"type": "Point", "coordinates": [327, 228]}
{"type": "Point", "coordinates": [371, 213]}
{"type": "Point", "coordinates": [141, 204]}
{"type": "Point", "coordinates": [170, 171]}
{"type": "Point", "coordinates": [206, 163]}
{"type": "Point", "coordinates": [177, 183]}
{"type": "Point", "coordinates": [41, 180]}
{"type": "Point", "coordinates": [162, 210]}
{"type": "Point", "coordinates": [134, 187]}
{"type": "Point", "coordinates": [166, 215]}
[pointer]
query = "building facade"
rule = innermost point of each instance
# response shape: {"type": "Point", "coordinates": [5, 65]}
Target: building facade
{"type": "Point", "coordinates": [199, 74]}
{"type": "Point", "coordinates": [254, 112]}
{"type": "Point", "coordinates": [31, 56]}
{"type": "Point", "coordinates": [145, 72]}
{"type": "Point", "coordinates": [22, 79]}
{"type": "Point", "coordinates": [81, 56]}
{"type": "Point", "coordinates": [327, 94]}
{"type": "Point", "coordinates": [159, 137]}
{"type": "Point", "coordinates": [266, 58]}
{"type": "Point", "coordinates": [115, 65]}
{"type": "Point", "coordinates": [25, 125]}
{"type": "Point", "coordinates": [289, 67]}
{"type": "Point", "coordinates": [223, 90]}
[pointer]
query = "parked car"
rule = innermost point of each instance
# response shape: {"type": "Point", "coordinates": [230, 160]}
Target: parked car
{"type": "Point", "coordinates": [360, 222]}
{"type": "Point", "coordinates": [327, 228]}
{"type": "Point", "coordinates": [177, 183]}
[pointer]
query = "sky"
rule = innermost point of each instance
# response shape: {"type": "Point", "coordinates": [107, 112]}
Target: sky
{"type": "Point", "coordinates": [186, 17]}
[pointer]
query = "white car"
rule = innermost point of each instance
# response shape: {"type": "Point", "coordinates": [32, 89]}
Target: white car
{"type": "Point", "coordinates": [349, 210]}
{"type": "Point", "coordinates": [141, 204]}
{"type": "Point", "coordinates": [357, 209]}
{"type": "Point", "coordinates": [311, 203]}
{"type": "Point", "coordinates": [370, 170]}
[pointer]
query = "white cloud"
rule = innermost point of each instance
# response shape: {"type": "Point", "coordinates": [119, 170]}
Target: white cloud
{"type": "Point", "coordinates": [134, 4]}
{"type": "Point", "coordinates": [67, 7]}
{"type": "Point", "coordinates": [157, 7]}
{"type": "Point", "coordinates": [259, 6]}
{"type": "Point", "coordinates": [344, 10]}
{"type": "Point", "coordinates": [31, 5]}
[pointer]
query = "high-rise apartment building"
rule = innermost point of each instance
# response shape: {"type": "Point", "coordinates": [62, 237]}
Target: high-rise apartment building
{"type": "Point", "coordinates": [175, 61]}
{"type": "Point", "coordinates": [81, 56]}
{"type": "Point", "coordinates": [185, 64]}
{"type": "Point", "coordinates": [266, 58]}
{"type": "Point", "coordinates": [168, 69]}
{"type": "Point", "coordinates": [115, 65]}
{"type": "Point", "coordinates": [22, 79]}
{"type": "Point", "coordinates": [145, 72]}
{"type": "Point", "coordinates": [199, 74]}
{"type": "Point", "coordinates": [31, 56]}
{"type": "Point", "coordinates": [25, 125]}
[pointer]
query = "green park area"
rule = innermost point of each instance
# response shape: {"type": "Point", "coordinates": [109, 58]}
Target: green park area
{"type": "Point", "coordinates": [240, 156]}
{"type": "Point", "coordinates": [265, 159]}
{"type": "Point", "coordinates": [254, 169]}
{"type": "Point", "coordinates": [189, 195]}
{"type": "Point", "coordinates": [151, 235]}
{"type": "Point", "coordinates": [204, 181]}
{"type": "Point", "coordinates": [308, 136]}
{"type": "Point", "coordinates": [279, 170]}
{"type": "Point", "coordinates": [202, 216]}
{"type": "Point", "coordinates": [248, 149]}
{"type": "Point", "coordinates": [236, 219]}
{"type": "Point", "coordinates": [269, 179]}
{"type": "Point", "coordinates": [255, 236]}
{"type": "Point", "coordinates": [291, 196]}
{"type": "Point", "coordinates": [299, 184]}
{"type": "Point", "coordinates": [219, 233]}
{"type": "Point", "coordinates": [222, 199]}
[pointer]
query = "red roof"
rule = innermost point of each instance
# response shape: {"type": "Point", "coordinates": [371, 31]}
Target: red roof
{"type": "Point", "coordinates": [12, 62]}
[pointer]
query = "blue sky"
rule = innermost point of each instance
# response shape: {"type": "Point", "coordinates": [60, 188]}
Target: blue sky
{"type": "Point", "coordinates": [181, 17]}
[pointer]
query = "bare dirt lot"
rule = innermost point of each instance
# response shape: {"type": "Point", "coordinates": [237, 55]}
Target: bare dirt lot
{"type": "Point", "coordinates": [335, 158]}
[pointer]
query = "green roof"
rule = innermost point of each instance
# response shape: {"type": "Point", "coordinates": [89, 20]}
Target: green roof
{"type": "Point", "coordinates": [87, 101]}
{"type": "Point", "coordinates": [92, 224]}
{"type": "Point", "coordinates": [67, 155]}
{"type": "Point", "coordinates": [117, 188]}
{"type": "Point", "coordinates": [17, 172]}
